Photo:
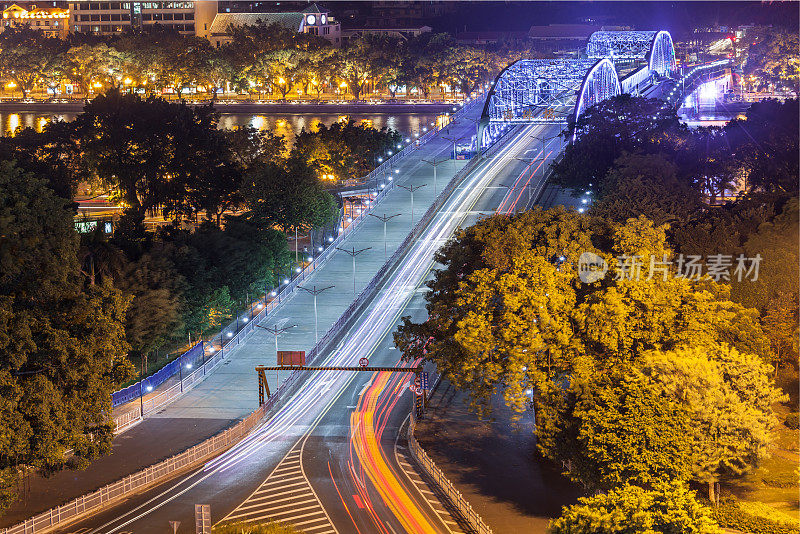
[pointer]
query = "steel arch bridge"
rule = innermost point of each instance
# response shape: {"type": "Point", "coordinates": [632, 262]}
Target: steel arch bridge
{"type": "Point", "coordinates": [655, 47]}
{"type": "Point", "coordinates": [545, 91]}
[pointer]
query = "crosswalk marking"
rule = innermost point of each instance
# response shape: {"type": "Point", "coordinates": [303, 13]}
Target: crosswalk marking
{"type": "Point", "coordinates": [286, 497]}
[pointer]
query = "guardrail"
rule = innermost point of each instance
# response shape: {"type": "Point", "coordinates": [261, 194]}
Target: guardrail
{"type": "Point", "coordinates": [157, 401]}
{"type": "Point", "coordinates": [95, 501]}
{"type": "Point", "coordinates": [160, 472]}
{"type": "Point", "coordinates": [456, 498]}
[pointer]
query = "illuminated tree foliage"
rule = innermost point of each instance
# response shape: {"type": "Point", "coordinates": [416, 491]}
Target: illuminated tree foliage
{"type": "Point", "coordinates": [508, 314]}
{"type": "Point", "coordinates": [668, 508]}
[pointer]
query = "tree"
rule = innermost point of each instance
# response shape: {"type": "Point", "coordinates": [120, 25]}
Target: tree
{"type": "Point", "coordinates": [87, 64]}
{"type": "Point", "coordinates": [358, 61]}
{"type": "Point", "coordinates": [648, 186]}
{"type": "Point", "coordinates": [669, 508]}
{"type": "Point", "coordinates": [28, 58]}
{"type": "Point", "coordinates": [729, 396]}
{"type": "Point", "coordinates": [765, 145]}
{"type": "Point", "coordinates": [773, 60]}
{"type": "Point", "coordinates": [465, 68]}
{"type": "Point", "coordinates": [62, 348]}
{"type": "Point", "coordinates": [54, 153]}
{"type": "Point", "coordinates": [775, 292]}
{"type": "Point", "coordinates": [157, 292]}
{"type": "Point", "coordinates": [508, 313]}
{"type": "Point", "coordinates": [288, 196]}
{"type": "Point", "coordinates": [611, 427]}
{"type": "Point", "coordinates": [606, 130]}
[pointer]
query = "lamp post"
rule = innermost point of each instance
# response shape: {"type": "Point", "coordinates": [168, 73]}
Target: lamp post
{"type": "Point", "coordinates": [411, 188]}
{"type": "Point", "coordinates": [276, 331]}
{"type": "Point", "coordinates": [454, 139]}
{"type": "Point", "coordinates": [385, 218]}
{"type": "Point", "coordinates": [314, 291]}
{"type": "Point", "coordinates": [433, 163]}
{"type": "Point", "coordinates": [543, 139]}
{"type": "Point", "coordinates": [353, 253]}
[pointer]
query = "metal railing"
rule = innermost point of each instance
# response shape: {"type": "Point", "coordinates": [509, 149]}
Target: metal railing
{"type": "Point", "coordinates": [155, 402]}
{"type": "Point", "coordinates": [454, 496]}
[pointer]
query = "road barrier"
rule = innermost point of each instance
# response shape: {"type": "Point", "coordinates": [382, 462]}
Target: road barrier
{"type": "Point", "coordinates": [456, 498]}
{"type": "Point", "coordinates": [231, 336]}
{"type": "Point", "coordinates": [107, 495]}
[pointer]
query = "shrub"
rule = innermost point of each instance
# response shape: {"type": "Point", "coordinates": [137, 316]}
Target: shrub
{"type": "Point", "coordinates": [791, 421]}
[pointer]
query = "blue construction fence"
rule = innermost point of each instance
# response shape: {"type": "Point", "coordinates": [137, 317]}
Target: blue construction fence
{"type": "Point", "coordinates": [159, 377]}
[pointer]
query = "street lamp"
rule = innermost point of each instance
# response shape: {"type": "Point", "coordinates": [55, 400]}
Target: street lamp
{"type": "Point", "coordinates": [384, 218]}
{"type": "Point", "coordinates": [314, 291]}
{"type": "Point", "coordinates": [276, 331]}
{"type": "Point", "coordinates": [433, 163]}
{"type": "Point", "coordinates": [353, 254]}
{"type": "Point", "coordinates": [410, 189]}
{"type": "Point", "coordinates": [454, 139]}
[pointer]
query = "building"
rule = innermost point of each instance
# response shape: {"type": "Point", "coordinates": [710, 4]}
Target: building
{"type": "Point", "coordinates": [403, 33]}
{"type": "Point", "coordinates": [560, 38]}
{"type": "Point", "coordinates": [109, 18]}
{"type": "Point", "coordinates": [406, 13]}
{"type": "Point", "coordinates": [314, 20]}
{"type": "Point", "coordinates": [51, 20]}
{"type": "Point", "coordinates": [489, 37]}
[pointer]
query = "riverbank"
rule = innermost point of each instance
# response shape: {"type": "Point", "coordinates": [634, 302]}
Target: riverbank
{"type": "Point", "coordinates": [252, 107]}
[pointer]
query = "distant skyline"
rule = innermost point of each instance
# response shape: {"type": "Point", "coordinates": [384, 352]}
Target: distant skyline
{"type": "Point", "coordinates": [676, 17]}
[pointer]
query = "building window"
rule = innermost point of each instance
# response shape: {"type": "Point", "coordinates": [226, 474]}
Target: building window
{"type": "Point", "coordinates": [105, 17]}
{"type": "Point", "coordinates": [95, 17]}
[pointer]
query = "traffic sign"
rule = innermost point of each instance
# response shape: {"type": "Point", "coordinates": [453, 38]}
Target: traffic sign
{"type": "Point", "coordinates": [412, 387]}
{"type": "Point", "coordinates": [363, 362]}
{"type": "Point", "coordinates": [425, 380]}
{"type": "Point", "coordinates": [417, 381]}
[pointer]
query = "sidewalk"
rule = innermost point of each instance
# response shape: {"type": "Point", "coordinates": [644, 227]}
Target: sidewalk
{"type": "Point", "coordinates": [495, 466]}
{"type": "Point", "coordinates": [230, 391]}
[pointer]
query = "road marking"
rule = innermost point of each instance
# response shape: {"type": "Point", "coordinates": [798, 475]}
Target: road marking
{"type": "Point", "coordinates": [285, 496]}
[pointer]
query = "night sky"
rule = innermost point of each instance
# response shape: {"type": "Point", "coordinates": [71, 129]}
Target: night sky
{"type": "Point", "coordinates": [676, 17]}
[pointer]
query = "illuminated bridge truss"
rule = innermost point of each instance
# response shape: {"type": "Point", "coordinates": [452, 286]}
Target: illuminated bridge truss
{"type": "Point", "coordinates": [545, 91]}
{"type": "Point", "coordinates": [654, 47]}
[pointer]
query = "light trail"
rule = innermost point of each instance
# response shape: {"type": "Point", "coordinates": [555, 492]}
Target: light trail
{"type": "Point", "coordinates": [365, 440]}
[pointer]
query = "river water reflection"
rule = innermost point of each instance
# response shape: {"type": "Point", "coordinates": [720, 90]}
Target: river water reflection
{"type": "Point", "coordinates": [284, 124]}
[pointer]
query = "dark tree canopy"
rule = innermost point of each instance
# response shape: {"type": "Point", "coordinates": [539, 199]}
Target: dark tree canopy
{"type": "Point", "coordinates": [62, 347]}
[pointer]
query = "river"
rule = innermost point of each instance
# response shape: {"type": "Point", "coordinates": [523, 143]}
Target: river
{"type": "Point", "coordinates": [286, 124]}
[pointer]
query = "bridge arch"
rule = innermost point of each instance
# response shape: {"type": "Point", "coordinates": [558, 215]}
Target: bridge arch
{"type": "Point", "coordinates": [600, 83]}
{"type": "Point", "coordinates": [662, 54]}
{"type": "Point", "coordinates": [544, 91]}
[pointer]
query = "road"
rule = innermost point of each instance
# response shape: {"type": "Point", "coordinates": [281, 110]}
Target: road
{"type": "Point", "coordinates": [332, 447]}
